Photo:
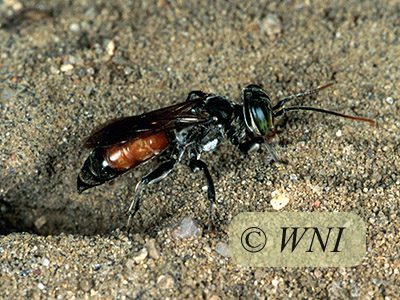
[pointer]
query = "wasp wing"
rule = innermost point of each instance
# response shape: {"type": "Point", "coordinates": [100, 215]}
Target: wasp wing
{"type": "Point", "coordinates": [122, 130]}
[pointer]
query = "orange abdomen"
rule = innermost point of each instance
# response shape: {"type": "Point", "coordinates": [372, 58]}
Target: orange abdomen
{"type": "Point", "coordinates": [129, 155]}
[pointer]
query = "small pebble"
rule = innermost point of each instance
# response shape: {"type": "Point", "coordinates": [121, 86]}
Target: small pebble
{"type": "Point", "coordinates": [275, 282]}
{"type": "Point", "coordinates": [110, 48]}
{"type": "Point", "coordinates": [119, 60]}
{"type": "Point", "coordinates": [339, 133]}
{"type": "Point", "coordinates": [376, 176]}
{"type": "Point", "coordinates": [37, 272]}
{"type": "Point", "coordinates": [66, 67]}
{"type": "Point", "coordinates": [72, 60]}
{"type": "Point", "coordinates": [74, 27]}
{"type": "Point", "coordinates": [130, 264]}
{"type": "Point", "coordinates": [389, 100]}
{"type": "Point", "coordinates": [140, 256]}
{"type": "Point", "coordinates": [165, 282]}
{"type": "Point", "coordinates": [279, 202]}
{"type": "Point", "coordinates": [85, 285]}
{"type": "Point", "coordinates": [152, 248]}
{"type": "Point", "coordinates": [128, 71]}
{"type": "Point", "coordinates": [90, 71]}
{"type": "Point", "coordinates": [317, 273]}
{"type": "Point", "coordinates": [54, 70]}
{"type": "Point", "coordinates": [45, 262]}
{"type": "Point", "coordinates": [187, 228]}
{"type": "Point", "coordinates": [7, 94]}
{"type": "Point", "coordinates": [222, 249]}
{"type": "Point", "coordinates": [14, 4]}
{"type": "Point", "coordinates": [271, 25]}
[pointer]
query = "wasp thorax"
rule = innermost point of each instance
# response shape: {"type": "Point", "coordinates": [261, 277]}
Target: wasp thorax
{"type": "Point", "coordinates": [257, 110]}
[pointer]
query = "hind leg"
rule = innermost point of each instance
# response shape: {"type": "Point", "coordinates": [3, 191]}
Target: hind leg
{"type": "Point", "coordinates": [154, 176]}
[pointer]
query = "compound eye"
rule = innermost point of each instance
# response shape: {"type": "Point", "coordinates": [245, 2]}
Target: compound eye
{"type": "Point", "coordinates": [257, 110]}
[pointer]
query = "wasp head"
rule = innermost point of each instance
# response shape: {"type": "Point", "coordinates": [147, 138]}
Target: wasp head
{"type": "Point", "coordinates": [257, 110]}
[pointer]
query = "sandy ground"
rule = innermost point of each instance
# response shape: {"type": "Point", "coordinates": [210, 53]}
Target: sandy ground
{"type": "Point", "coordinates": [68, 66]}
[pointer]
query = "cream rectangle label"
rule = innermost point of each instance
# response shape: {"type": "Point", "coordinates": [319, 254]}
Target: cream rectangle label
{"type": "Point", "coordinates": [297, 239]}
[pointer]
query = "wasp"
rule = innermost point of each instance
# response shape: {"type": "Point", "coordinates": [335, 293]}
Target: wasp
{"type": "Point", "coordinates": [187, 129]}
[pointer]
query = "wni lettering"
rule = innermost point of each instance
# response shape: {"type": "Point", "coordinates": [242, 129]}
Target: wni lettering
{"type": "Point", "coordinates": [310, 235]}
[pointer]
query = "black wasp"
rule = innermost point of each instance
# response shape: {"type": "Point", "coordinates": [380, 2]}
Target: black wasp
{"type": "Point", "coordinates": [195, 126]}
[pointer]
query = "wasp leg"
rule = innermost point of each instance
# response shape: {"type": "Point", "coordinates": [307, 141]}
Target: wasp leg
{"type": "Point", "coordinates": [254, 144]}
{"type": "Point", "coordinates": [250, 146]}
{"type": "Point", "coordinates": [275, 156]}
{"type": "Point", "coordinates": [154, 176]}
{"type": "Point", "coordinates": [197, 164]}
{"type": "Point", "coordinates": [236, 135]}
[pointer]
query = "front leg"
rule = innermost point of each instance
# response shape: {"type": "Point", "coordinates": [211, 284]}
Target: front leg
{"type": "Point", "coordinates": [235, 135]}
{"type": "Point", "coordinates": [252, 145]}
{"type": "Point", "coordinates": [197, 164]}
